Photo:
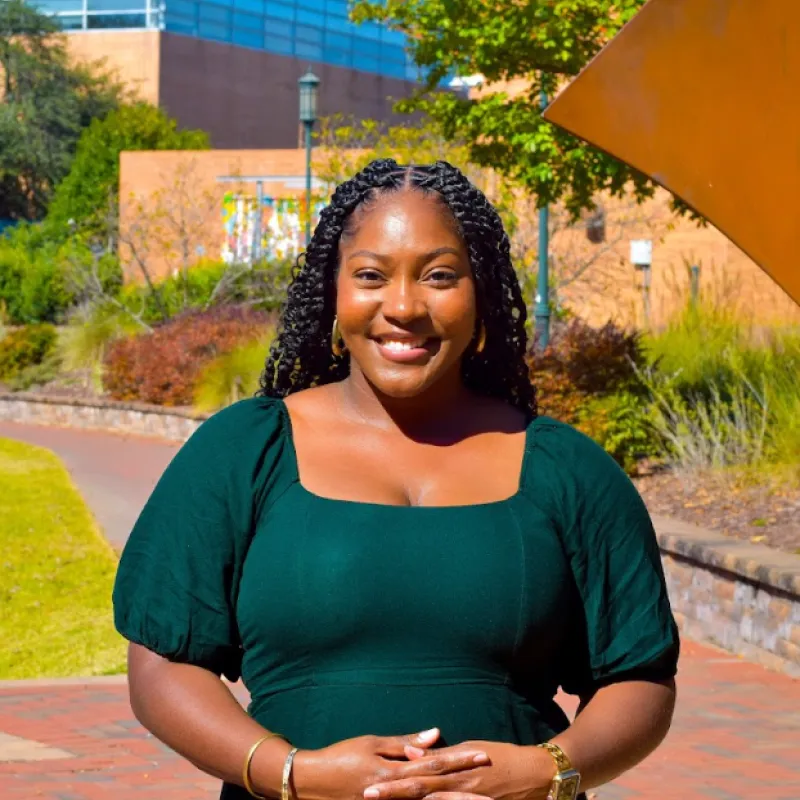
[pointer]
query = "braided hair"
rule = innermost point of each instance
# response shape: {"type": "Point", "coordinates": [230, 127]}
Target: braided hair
{"type": "Point", "coordinates": [301, 354]}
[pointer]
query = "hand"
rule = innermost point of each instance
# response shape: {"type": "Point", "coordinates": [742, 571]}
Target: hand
{"type": "Point", "coordinates": [514, 772]}
{"type": "Point", "coordinates": [343, 770]}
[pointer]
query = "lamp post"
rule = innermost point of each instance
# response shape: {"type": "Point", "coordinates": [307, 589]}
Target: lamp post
{"type": "Point", "coordinates": [542, 309]}
{"type": "Point", "coordinates": [642, 259]}
{"type": "Point", "coordinates": [309, 91]}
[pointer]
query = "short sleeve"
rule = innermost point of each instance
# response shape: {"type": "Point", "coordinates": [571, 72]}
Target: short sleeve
{"type": "Point", "coordinates": [626, 628]}
{"type": "Point", "coordinates": [175, 588]}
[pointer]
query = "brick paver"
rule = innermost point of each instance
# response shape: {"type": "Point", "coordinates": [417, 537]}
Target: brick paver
{"type": "Point", "coordinates": [736, 737]}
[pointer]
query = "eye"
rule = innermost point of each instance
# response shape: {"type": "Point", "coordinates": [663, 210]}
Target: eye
{"type": "Point", "coordinates": [368, 275]}
{"type": "Point", "coordinates": [442, 276]}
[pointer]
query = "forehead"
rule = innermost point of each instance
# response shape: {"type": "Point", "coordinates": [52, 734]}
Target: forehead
{"type": "Point", "coordinates": [406, 219]}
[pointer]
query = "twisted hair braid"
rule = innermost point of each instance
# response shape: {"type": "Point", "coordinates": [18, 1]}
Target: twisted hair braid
{"type": "Point", "coordinates": [301, 354]}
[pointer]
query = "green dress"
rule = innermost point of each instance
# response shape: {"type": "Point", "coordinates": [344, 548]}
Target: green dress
{"type": "Point", "coordinates": [347, 618]}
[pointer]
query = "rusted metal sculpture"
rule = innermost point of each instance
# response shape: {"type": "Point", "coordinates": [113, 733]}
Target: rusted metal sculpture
{"type": "Point", "coordinates": [703, 96]}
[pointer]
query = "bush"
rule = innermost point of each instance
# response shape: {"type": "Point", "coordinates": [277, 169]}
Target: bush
{"type": "Point", "coordinates": [587, 377]}
{"type": "Point", "coordinates": [25, 347]}
{"type": "Point", "coordinates": [162, 367]}
{"type": "Point", "coordinates": [232, 376]}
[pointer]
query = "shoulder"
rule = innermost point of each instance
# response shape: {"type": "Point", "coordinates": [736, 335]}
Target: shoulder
{"type": "Point", "coordinates": [572, 473]}
{"type": "Point", "coordinates": [243, 421]}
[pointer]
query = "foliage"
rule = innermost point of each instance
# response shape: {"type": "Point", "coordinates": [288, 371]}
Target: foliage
{"type": "Point", "coordinates": [587, 377]}
{"type": "Point", "coordinates": [85, 340]}
{"type": "Point", "coordinates": [725, 393]}
{"type": "Point", "coordinates": [541, 44]}
{"type": "Point", "coordinates": [91, 189]}
{"type": "Point", "coordinates": [48, 369]}
{"type": "Point", "coordinates": [25, 347]}
{"type": "Point", "coordinates": [46, 105]}
{"type": "Point", "coordinates": [57, 574]}
{"type": "Point", "coordinates": [162, 367]}
{"type": "Point", "coordinates": [232, 376]}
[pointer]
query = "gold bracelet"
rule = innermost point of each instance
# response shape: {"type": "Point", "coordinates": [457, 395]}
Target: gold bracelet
{"type": "Point", "coordinates": [287, 773]}
{"type": "Point", "coordinates": [246, 781]}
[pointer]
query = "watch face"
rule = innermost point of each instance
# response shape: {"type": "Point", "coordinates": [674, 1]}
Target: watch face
{"type": "Point", "coordinates": [566, 786]}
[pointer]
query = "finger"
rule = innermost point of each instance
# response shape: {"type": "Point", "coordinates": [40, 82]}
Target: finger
{"type": "Point", "coordinates": [394, 746]}
{"type": "Point", "coordinates": [456, 796]}
{"type": "Point", "coordinates": [408, 789]}
{"type": "Point", "coordinates": [412, 752]}
{"type": "Point", "coordinates": [439, 763]}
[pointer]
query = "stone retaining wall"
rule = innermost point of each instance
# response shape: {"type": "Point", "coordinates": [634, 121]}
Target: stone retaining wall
{"type": "Point", "coordinates": [740, 596]}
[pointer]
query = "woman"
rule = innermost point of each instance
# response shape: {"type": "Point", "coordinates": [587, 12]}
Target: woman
{"type": "Point", "coordinates": [400, 558]}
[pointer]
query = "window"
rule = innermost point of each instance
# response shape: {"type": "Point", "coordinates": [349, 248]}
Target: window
{"type": "Point", "coordinates": [248, 21]}
{"type": "Point", "coordinates": [366, 47]}
{"type": "Point", "coordinates": [280, 10]}
{"type": "Point", "coordinates": [342, 58]}
{"type": "Point", "coordinates": [55, 6]}
{"type": "Point", "coordinates": [366, 63]}
{"type": "Point", "coordinates": [310, 17]}
{"type": "Point", "coordinates": [210, 13]}
{"type": "Point", "coordinates": [248, 38]}
{"type": "Point", "coordinates": [394, 69]}
{"type": "Point", "coordinates": [182, 8]}
{"type": "Point", "coordinates": [178, 24]}
{"type": "Point", "coordinates": [116, 5]}
{"type": "Point", "coordinates": [334, 22]}
{"type": "Point", "coordinates": [70, 22]}
{"type": "Point", "coordinates": [305, 50]}
{"type": "Point", "coordinates": [278, 44]}
{"type": "Point", "coordinates": [279, 28]}
{"type": "Point", "coordinates": [339, 40]}
{"type": "Point", "coordinates": [116, 21]}
{"type": "Point", "coordinates": [308, 34]}
{"type": "Point", "coordinates": [253, 6]}
{"type": "Point", "coordinates": [214, 30]}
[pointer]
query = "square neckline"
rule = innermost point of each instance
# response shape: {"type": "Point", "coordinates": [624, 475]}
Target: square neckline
{"type": "Point", "coordinates": [288, 430]}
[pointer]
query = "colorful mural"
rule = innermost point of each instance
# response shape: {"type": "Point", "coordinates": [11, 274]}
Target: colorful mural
{"type": "Point", "coordinates": [274, 231]}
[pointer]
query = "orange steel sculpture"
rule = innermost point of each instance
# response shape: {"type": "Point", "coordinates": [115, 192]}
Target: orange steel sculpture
{"type": "Point", "coordinates": [703, 96]}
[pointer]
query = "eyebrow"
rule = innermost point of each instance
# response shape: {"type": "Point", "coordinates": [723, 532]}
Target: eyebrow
{"type": "Point", "coordinates": [439, 251]}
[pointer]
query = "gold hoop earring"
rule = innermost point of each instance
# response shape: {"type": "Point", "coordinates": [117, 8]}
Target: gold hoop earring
{"type": "Point", "coordinates": [337, 343]}
{"type": "Point", "coordinates": [481, 339]}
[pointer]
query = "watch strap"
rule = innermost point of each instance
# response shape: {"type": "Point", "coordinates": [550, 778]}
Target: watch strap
{"type": "Point", "coordinates": [563, 764]}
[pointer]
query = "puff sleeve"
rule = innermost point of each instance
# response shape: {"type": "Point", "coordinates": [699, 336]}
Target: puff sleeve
{"type": "Point", "coordinates": [176, 586]}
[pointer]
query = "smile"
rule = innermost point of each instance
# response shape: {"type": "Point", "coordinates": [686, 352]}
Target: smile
{"type": "Point", "coordinates": [407, 350]}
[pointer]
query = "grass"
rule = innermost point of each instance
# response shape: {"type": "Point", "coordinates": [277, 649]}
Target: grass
{"type": "Point", "coordinates": [57, 574]}
{"type": "Point", "coordinates": [727, 393]}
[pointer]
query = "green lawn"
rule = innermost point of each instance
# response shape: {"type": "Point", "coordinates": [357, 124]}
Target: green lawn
{"type": "Point", "coordinates": [57, 573]}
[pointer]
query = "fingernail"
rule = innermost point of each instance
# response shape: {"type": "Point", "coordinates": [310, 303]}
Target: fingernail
{"type": "Point", "coordinates": [429, 734]}
{"type": "Point", "coordinates": [416, 751]}
{"type": "Point", "coordinates": [371, 793]}
{"type": "Point", "coordinates": [481, 758]}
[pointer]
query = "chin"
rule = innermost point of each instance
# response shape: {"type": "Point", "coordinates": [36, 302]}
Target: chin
{"type": "Point", "coordinates": [402, 386]}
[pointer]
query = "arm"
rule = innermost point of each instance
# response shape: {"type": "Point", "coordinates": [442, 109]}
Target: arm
{"type": "Point", "coordinates": [192, 711]}
{"type": "Point", "coordinates": [617, 728]}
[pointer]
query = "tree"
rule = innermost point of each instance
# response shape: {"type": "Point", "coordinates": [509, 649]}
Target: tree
{"type": "Point", "coordinates": [82, 199]}
{"type": "Point", "coordinates": [46, 103]}
{"type": "Point", "coordinates": [537, 44]}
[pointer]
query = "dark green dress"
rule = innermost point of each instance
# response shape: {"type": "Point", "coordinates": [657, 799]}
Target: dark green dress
{"type": "Point", "coordinates": [347, 618]}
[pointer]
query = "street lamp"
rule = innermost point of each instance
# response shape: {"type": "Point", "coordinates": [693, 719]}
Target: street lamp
{"type": "Point", "coordinates": [642, 259]}
{"type": "Point", "coordinates": [309, 91]}
{"type": "Point", "coordinates": [542, 309]}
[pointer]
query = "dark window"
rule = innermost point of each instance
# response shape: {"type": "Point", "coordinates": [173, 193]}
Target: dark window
{"type": "Point", "coordinates": [116, 21]}
{"type": "Point", "coordinates": [178, 24]}
{"type": "Point", "coordinates": [70, 23]}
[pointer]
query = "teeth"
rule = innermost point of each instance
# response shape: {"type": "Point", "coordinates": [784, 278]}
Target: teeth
{"type": "Point", "coordinates": [400, 346]}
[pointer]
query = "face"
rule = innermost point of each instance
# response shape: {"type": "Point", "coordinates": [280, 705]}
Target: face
{"type": "Point", "coordinates": [405, 294]}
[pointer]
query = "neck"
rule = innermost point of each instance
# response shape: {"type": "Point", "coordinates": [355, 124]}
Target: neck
{"type": "Point", "coordinates": [432, 411]}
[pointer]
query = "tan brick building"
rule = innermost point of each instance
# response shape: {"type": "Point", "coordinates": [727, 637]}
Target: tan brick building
{"type": "Point", "coordinates": [154, 186]}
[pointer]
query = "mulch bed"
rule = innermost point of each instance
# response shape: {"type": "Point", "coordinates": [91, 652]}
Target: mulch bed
{"type": "Point", "coordinates": [767, 513]}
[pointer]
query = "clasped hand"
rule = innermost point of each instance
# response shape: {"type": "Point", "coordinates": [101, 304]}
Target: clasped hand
{"type": "Point", "coordinates": [401, 768]}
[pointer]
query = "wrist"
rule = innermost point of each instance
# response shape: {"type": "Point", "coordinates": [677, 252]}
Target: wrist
{"type": "Point", "coordinates": [306, 776]}
{"type": "Point", "coordinates": [541, 769]}
{"type": "Point", "coordinates": [266, 768]}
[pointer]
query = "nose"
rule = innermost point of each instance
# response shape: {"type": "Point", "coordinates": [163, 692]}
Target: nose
{"type": "Point", "coordinates": [403, 301]}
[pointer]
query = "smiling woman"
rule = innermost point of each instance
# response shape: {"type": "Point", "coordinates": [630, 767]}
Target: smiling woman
{"type": "Point", "coordinates": [390, 539]}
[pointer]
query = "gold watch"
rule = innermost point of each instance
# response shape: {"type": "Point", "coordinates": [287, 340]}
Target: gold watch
{"type": "Point", "coordinates": [567, 780]}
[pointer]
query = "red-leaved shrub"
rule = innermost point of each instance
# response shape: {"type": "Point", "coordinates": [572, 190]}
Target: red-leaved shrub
{"type": "Point", "coordinates": [161, 367]}
{"type": "Point", "coordinates": [581, 363]}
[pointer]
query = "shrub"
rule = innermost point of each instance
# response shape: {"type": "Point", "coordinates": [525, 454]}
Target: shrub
{"type": "Point", "coordinates": [25, 347]}
{"type": "Point", "coordinates": [587, 377]}
{"type": "Point", "coordinates": [162, 367]}
{"type": "Point", "coordinates": [232, 376]}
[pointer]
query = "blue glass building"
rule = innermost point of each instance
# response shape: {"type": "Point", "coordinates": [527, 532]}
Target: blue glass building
{"type": "Point", "coordinates": [309, 30]}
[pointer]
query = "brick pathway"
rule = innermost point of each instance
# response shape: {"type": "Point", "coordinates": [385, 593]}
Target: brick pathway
{"type": "Point", "coordinates": [736, 737]}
